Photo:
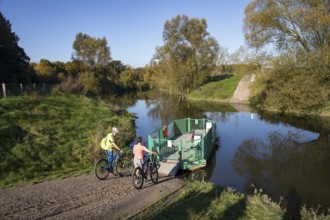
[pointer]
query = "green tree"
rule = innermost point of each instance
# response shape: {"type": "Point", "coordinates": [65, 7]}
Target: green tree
{"type": "Point", "coordinates": [302, 86]}
{"type": "Point", "coordinates": [74, 67]}
{"type": "Point", "coordinates": [117, 65]}
{"type": "Point", "coordinates": [91, 51]}
{"type": "Point", "coordinates": [92, 64]}
{"type": "Point", "coordinates": [298, 79]}
{"type": "Point", "coordinates": [46, 71]}
{"type": "Point", "coordinates": [59, 67]}
{"type": "Point", "coordinates": [128, 79]}
{"type": "Point", "coordinates": [188, 57]}
{"type": "Point", "coordinates": [13, 59]}
{"type": "Point", "coordinates": [89, 82]}
{"type": "Point", "coordinates": [288, 23]}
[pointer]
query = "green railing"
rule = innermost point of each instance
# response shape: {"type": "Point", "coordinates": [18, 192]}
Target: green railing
{"type": "Point", "coordinates": [187, 152]}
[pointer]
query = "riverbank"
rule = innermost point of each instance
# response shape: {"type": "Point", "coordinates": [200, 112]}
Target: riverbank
{"type": "Point", "coordinates": [79, 198]}
{"type": "Point", "coordinates": [201, 200]}
{"type": "Point", "coordinates": [219, 89]}
{"type": "Point", "coordinates": [233, 89]}
{"type": "Point", "coordinates": [50, 136]}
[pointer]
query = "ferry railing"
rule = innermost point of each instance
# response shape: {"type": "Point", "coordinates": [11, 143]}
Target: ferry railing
{"type": "Point", "coordinates": [193, 151]}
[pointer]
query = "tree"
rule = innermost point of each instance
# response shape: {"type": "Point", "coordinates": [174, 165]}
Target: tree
{"type": "Point", "coordinates": [302, 86]}
{"type": "Point", "coordinates": [288, 23]}
{"type": "Point", "coordinates": [13, 59]}
{"type": "Point", "coordinates": [298, 79]}
{"type": "Point", "coordinates": [128, 79]}
{"type": "Point", "coordinates": [74, 67]}
{"type": "Point", "coordinates": [188, 56]}
{"type": "Point", "coordinates": [91, 51]}
{"type": "Point", "coordinates": [89, 82]}
{"type": "Point", "coordinates": [222, 61]}
{"type": "Point", "coordinates": [59, 67]}
{"type": "Point", "coordinates": [246, 61]}
{"type": "Point", "coordinates": [46, 71]}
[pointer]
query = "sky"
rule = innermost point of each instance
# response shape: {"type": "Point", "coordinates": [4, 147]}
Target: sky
{"type": "Point", "coordinates": [133, 28]}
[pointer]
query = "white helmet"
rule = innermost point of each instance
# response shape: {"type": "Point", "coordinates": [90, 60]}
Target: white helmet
{"type": "Point", "coordinates": [114, 129]}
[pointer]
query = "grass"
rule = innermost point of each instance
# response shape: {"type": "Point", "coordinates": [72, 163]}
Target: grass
{"type": "Point", "coordinates": [50, 136]}
{"type": "Point", "coordinates": [218, 89]}
{"type": "Point", "coordinates": [201, 200]}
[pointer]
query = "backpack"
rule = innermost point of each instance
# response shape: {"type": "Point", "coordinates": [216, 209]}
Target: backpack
{"type": "Point", "coordinates": [103, 143]}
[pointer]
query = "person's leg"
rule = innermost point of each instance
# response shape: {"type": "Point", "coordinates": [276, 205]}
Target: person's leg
{"type": "Point", "coordinates": [110, 158]}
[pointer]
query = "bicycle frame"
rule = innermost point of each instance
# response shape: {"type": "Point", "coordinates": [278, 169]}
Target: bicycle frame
{"type": "Point", "coordinates": [114, 159]}
{"type": "Point", "coordinates": [145, 166]}
{"type": "Point", "coordinates": [146, 163]}
{"type": "Point", "coordinates": [121, 165]}
{"type": "Point", "coordinates": [140, 173]}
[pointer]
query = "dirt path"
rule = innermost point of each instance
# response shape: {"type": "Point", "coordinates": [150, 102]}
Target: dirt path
{"type": "Point", "coordinates": [83, 197]}
{"type": "Point", "coordinates": [242, 92]}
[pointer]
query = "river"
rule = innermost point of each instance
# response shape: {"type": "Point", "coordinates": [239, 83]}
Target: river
{"type": "Point", "coordinates": [286, 156]}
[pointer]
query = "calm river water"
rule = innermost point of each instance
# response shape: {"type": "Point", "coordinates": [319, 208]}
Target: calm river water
{"type": "Point", "coordinates": [287, 157]}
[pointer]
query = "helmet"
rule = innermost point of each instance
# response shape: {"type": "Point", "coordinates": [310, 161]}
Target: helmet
{"type": "Point", "coordinates": [114, 129]}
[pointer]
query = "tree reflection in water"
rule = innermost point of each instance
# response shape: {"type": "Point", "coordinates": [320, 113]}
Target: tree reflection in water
{"type": "Point", "coordinates": [270, 150]}
{"type": "Point", "coordinates": [170, 108]}
{"type": "Point", "coordinates": [288, 165]}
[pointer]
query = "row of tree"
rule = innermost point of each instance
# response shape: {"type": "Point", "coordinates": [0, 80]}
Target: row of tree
{"type": "Point", "coordinates": [291, 56]}
{"type": "Point", "coordinates": [91, 70]}
{"type": "Point", "coordinates": [187, 59]}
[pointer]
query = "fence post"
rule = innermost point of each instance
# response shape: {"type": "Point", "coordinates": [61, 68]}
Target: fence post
{"type": "Point", "coordinates": [180, 153]}
{"type": "Point", "coordinates": [189, 127]}
{"type": "Point", "coordinates": [4, 90]}
{"type": "Point", "coordinates": [21, 88]}
{"type": "Point", "coordinates": [34, 87]}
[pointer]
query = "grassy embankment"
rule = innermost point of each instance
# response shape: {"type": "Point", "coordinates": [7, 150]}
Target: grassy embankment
{"type": "Point", "coordinates": [220, 88]}
{"type": "Point", "coordinates": [46, 137]}
{"type": "Point", "coordinates": [259, 86]}
{"type": "Point", "coordinates": [201, 200]}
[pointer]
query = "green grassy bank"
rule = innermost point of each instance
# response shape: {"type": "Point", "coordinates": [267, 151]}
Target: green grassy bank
{"type": "Point", "coordinates": [50, 136]}
{"type": "Point", "coordinates": [201, 200]}
{"type": "Point", "coordinates": [220, 88]}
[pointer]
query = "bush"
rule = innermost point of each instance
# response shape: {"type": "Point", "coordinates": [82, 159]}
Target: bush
{"type": "Point", "coordinates": [69, 84]}
{"type": "Point", "coordinates": [297, 83]}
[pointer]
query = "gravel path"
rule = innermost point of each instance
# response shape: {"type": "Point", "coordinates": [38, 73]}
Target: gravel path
{"type": "Point", "coordinates": [242, 92]}
{"type": "Point", "coordinates": [83, 197]}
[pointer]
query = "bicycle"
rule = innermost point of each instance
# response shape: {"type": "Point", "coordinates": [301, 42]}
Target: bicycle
{"type": "Point", "coordinates": [140, 174]}
{"type": "Point", "coordinates": [103, 167]}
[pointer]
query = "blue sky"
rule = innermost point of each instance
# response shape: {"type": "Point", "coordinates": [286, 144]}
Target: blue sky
{"type": "Point", "coordinates": [133, 28]}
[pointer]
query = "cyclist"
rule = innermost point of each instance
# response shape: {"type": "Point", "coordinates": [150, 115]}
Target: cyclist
{"type": "Point", "coordinates": [108, 143]}
{"type": "Point", "coordinates": [138, 151]}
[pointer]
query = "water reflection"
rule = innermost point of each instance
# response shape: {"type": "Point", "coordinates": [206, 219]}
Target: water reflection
{"type": "Point", "coordinates": [285, 156]}
{"type": "Point", "coordinates": [166, 108]}
{"type": "Point", "coordinates": [286, 164]}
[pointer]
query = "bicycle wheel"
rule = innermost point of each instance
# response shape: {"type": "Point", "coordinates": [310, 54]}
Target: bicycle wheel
{"type": "Point", "coordinates": [153, 172]}
{"type": "Point", "coordinates": [124, 167]}
{"type": "Point", "coordinates": [138, 178]}
{"type": "Point", "coordinates": [101, 169]}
